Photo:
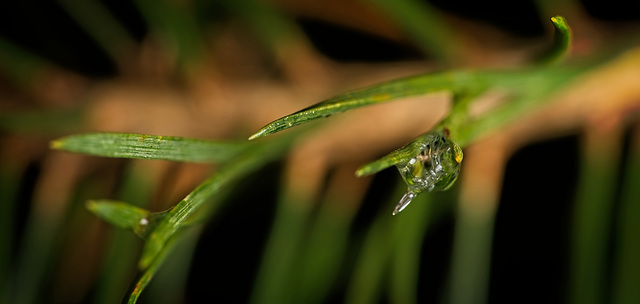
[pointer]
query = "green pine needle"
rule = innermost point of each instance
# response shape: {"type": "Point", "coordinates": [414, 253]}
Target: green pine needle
{"type": "Point", "coordinates": [143, 146]}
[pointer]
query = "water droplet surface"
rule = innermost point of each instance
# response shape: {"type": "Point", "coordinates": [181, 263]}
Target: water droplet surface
{"type": "Point", "coordinates": [435, 167]}
{"type": "Point", "coordinates": [404, 202]}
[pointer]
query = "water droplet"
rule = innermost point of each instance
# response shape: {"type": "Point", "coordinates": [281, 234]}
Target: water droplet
{"type": "Point", "coordinates": [404, 202]}
{"type": "Point", "coordinates": [144, 222]}
{"type": "Point", "coordinates": [435, 167]}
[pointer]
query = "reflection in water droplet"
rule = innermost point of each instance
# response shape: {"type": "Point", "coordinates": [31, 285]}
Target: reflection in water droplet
{"type": "Point", "coordinates": [434, 168]}
{"type": "Point", "coordinates": [144, 222]}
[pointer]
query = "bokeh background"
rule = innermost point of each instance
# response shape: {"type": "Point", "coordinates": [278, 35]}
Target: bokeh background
{"type": "Point", "coordinates": [547, 209]}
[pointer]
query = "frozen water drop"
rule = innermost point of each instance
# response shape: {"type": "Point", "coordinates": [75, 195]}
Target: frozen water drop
{"type": "Point", "coordinates": [404, 202]}
{"type": "Point", "coordinates": [434, 167]}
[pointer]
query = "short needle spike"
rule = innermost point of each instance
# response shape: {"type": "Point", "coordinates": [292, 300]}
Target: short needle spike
{"type": "Point", "coordinates": [404, 202]}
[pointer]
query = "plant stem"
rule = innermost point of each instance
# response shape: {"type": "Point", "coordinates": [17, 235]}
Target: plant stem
{"type": "Point", "coordinates": [592, 215]}
{"type": "Point", "coordinates": [627, 266]}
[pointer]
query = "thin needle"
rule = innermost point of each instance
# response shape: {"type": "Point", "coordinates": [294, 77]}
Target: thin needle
{"type": "Point", "coordinates": [404, 202]}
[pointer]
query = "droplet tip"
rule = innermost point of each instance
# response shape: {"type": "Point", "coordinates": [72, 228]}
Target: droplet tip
{"type": "Point", "coordinates": [398, 209]}
{"type": "Point", "coordinates": [404, 202]}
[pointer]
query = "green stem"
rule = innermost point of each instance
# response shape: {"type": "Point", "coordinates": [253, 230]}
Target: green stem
{"type": "Point", "coordinates": [150, 271]}
{"type": "Point", "coordinates": [560, 47]}
{"type": "Point", "coordinates": [9, 184]}
{"type": "Point", "coordinates": [170, 281]}
{"type": "Point", "coordinates": [373, 261]}
{"type": "Point", "coordinates": [408, 237]}
{"type": "Point", "coordinates": [592, 218]}
{"type": "Point", "coordinates": [275, 277]}
{"type": "Point", "coordinates": [120, 259]}
{"type": "Point", "coordinates": [471, 257]}
{"type": "Point", "coordinates": [244, 164]}
{"type": "Point", "coordinates": [627, 266]}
